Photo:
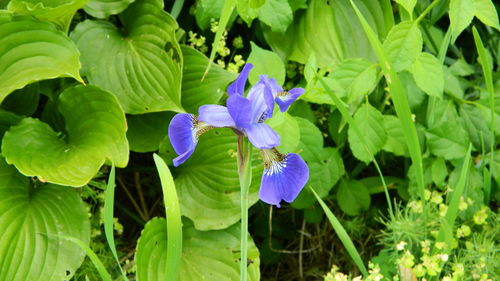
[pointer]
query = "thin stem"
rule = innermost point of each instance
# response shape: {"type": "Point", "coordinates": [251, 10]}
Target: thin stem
{"type": "Point", "coordinates": [245, 176]}
{"type": "Point", "coordinates": [427, 10]}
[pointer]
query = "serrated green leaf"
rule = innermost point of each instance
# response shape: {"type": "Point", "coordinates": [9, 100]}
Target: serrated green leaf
{"type": "Point", "coordinates": [33, 219]}
{"type": "Point", "coordinates": [133, 63]}
{"type": "Point", "coordinates": [409, 5]}
{"type": "Point", "coordinates": [95, 126]}
{"type": "Point", "coordinates": [403, 45]}
{"type": "Point", "coordinates": [395, 142]}
{"type": "Point", "coordinates": [196, 92]}
{"type": "Point", "coordinates": [102, 9]}
{"type": "Point", "coordinates": [277, 14]}
{"type": "Point", "coordinates": [265, 62]}
{"type": "Point", "coordinates": [486, 12]}
{"type": "Point", "coordinates": [325, 171]}
{"type": "Point", "coordinates": [146, 132]}
{"type": "Point", "coordinates": [448, 140]}
{"type": "Point", "coordinates": [461, 13]}
{"type": "Point", "coordinates": [474, 121]}
{"type": "Point", "coordinates": [287, 128]}
{"type": "Point", "coordinates": [311, 139]}
{"type": "Point", "coordinates": [371, 122]}
{"type": "Point", "coordinates": [208, 185]}
{"type": "Point", "coordinates": [246, 12]}
{"type": "Point", "coordinates": [206, 255]}
{"type": "Point", "coordinates": [414, 94]}
{"type": "Point", "coordinates": [327, 29]}
{"type": "Point", "coordinates": [31, 51]}
{"type": "Point", "coordinates": [353, 197]}
{"type": "Point", "coordinates": [439, 172]}
{"type": "Point", "coordinates": [357, 77]}
{"type": "Point", "coordinates": [59, 12]}
{"type": "Point", "coordinates": [461, 68]}
{"type": "Point", "coordinates": [428, 74]}
{"type": "Point", "coordinates": [310, 68]}
{"type": "Point", "coordinates": [452, 85]}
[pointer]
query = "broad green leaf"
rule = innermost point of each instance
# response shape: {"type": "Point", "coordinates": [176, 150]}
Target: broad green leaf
{"type": "Point", "coordinates": [371, 122]}
{"type": "Point", "coordinates": [325, 171]}
{"type": "Point", "coordinates": [208, 185]}
{"type": "Point", "coordinates": [461, 13]}
{"type": "Point", "coordinates": [403, 45]}
{"type": "Point", "coordinates": [327, 29]}
{"type": "Point", "coordinates": [95, 127]}
{"type": "Point", "coordinates": [256, 3]}
{"type": "Point", "coordinates": [134, 63]}
{"type": "Point", "coordinates": [448, 140]}
{"type": "Point", "coordinates": [395, 142]}
{"type": "Point", "coordinates": [409, 5]}
{"type": "Point", "coordinates": [310, 68]}
{"type": "Point", "coordinates": [486, 12]}
{"type": "Point", "coordinates": [357, 77]}
{"type": "Point", "coordinates": [59, 12]}
{"type": "Point", "coordinates": [146, 132]}
{"type": "Point", "coordinates": [206, 11]}
{"type": "Point", "coordinates": [7, 119]}
{"type": "Point", "coordinates": [461, 68]}
{"type": "Point", "coordinates": [297, 4]}
{"type": "Point", "coordinates": [206, 255]}
{"type": "Point", "coordinates": [246, 12]}
{"type": "Point", "coordinates": [33, 219]}
{"type": "Point", "coordinates": [265, 62]}
{"type": "Point", "coordinates": [287, 128]}
{"type": "Point", "coordinates": [428, 74]}
{"type": "Point", "coordinates": [23, 101]}
{"type": "Point", "coordinates": [311, 140]}
{"type": "Point", "coordinates": [102, 9]}
{"type": "Point", "coordinates": [474, 121]}
{"type": "Point", "coordinates": [452, 85]}
{"type": "Point", "coordinates": [277, 14]}
{"type": "Point", "coordinates": [414, 95]}
{"type": "Point", "coordinates": [353, 197]}
{"type": "Point", "coordinates": [439, 172]}
{"type": "Point", "coordinates": [196, 92]}
{"type": "Point", "coordinates": [31, 51]}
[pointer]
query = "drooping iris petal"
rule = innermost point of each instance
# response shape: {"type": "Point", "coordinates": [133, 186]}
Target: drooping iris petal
{"type": "Point", "coordinates": [215, 115]}
{"type": "Point", "coordinates": [240, 108]}
{"type": "Point", "coordinates": [182, 158]}
{"type": "Point", "coordinates": [285, 99]}
{"type": "Point", "coordinates": [283, 179]}
{"type": "Point", "coordinates": [181, 132]}
{"type": "Point", "coordinates": [238, 86]}
{"type": "Point", "coordinates": [262, 136]}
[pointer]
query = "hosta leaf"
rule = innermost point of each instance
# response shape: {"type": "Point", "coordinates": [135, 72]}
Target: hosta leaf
{"type": "Point", "coordinates": [265, 62]}
{"type": "Point", "coordinates": [428, 74]}
{"type": "Point", "coordinates": [353, 197]}
{"type": "Point", "coordinates": [31, 51]}
{"type": "Point", "coordinates": [277, 14]}
{"type": "Point", "coordinates": [104, 8]}
{"type": "Point", "coordinates": [206, 255]}
{"type": "Point", "coordinates": [328, 30]}
{"type": "Point", "coordinates": [448, 140]}
{"type": "Point", "coordinates": [95, 126]}
{"type": "Point", "coordinates": [59, 12]}
{"type": "Point", "coordinates": [196, 92]}
{"type": "Point", "coordinates": [146, 131]}
{"type": "Point", "coordinates": [23, 101]}
{"type": "Point", "coordinates": [461, 13]}
{"type": "Point", "coordinates": [357, 77]}
{"type": "Point", "coordinates": [371, 122]}
{"type": "Point", "coordinates": [33, 219]}
{"type": "Point", "coordinates": [403, 45]}
{"type": "Point", "coordinates": [133, 64]}
{"type": "Point", "coordinates": [487, 13]}
{"type": "Point", "coordinates": [208, 185]}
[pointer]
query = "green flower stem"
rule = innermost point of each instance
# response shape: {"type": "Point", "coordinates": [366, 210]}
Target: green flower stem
{"type": "Point", "coordinates": [245, 175]}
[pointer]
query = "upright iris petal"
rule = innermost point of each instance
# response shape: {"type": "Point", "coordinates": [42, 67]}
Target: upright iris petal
{"type": "Point", "coordinates": [285, 99]}
{"type": "Point", "coordinates": [284, 177]}
{"type": "Point", "coordinates": [238, 86]}
{"type": "Point", "coordinates": [183, 131]}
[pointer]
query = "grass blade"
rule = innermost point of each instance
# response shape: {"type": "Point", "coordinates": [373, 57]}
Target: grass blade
{"type": "Point", "coordinates": [176, 8]}
{"type": "Point", "coordinates": [108, 217]}
{"type": "Point", "coordinates": [342, 234]}
{"type": "Point", "coordinates": [400, 101]}
{"type": "Point", "coordinates": [174, 223]}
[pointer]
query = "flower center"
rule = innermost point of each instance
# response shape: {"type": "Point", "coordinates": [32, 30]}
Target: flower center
{"type": "Point", "coordinates": [274, 161]}
{"type": "Point", "coordinates": [199, 127]}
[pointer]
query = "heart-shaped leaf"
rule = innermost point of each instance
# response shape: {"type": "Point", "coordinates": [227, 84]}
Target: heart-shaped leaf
{"type": "Point", "coordinates": [104, 8]}
{"type": "Point", "coordinates": [206, 255]}
{"type": "Point", "coordinates": [133, 63]}
{"type": "Point", "coordinates": [58, 12]}
{"type": "Point", "coordinates": [95, 126]}
{"type": "Point", "coordinates": [32, 220]}
{"type": "Point", "coordinates": [197, 92]}
{"type": "Point", "coordinates": [208, 184]}
{"type": "Point", "coordinates": [32, 50]}
{"type": "Point", "coordinates": [146, 131]}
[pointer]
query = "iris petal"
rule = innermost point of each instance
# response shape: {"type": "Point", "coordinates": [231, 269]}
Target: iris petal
{"type": "Point", "coordinates": [257, 96]}
{"type": "Point", "coordinates": [238, 86]}
{"type": "Point", "coordinates": [283, 180]}
{"type": "Point", "coordinates": [181, 132]}
{"type": "Point", "coordinates": [285, 99]}
{"type": "Point", "coordinates": [215, 115]}
{"type": "Point", "coordinates": [239, 108]}
{"type": "Point", "coordinates": [262, 136]}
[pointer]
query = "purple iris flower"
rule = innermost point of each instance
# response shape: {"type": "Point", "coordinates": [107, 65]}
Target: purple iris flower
{"type": "Point", "coordinates": [284, 174]}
